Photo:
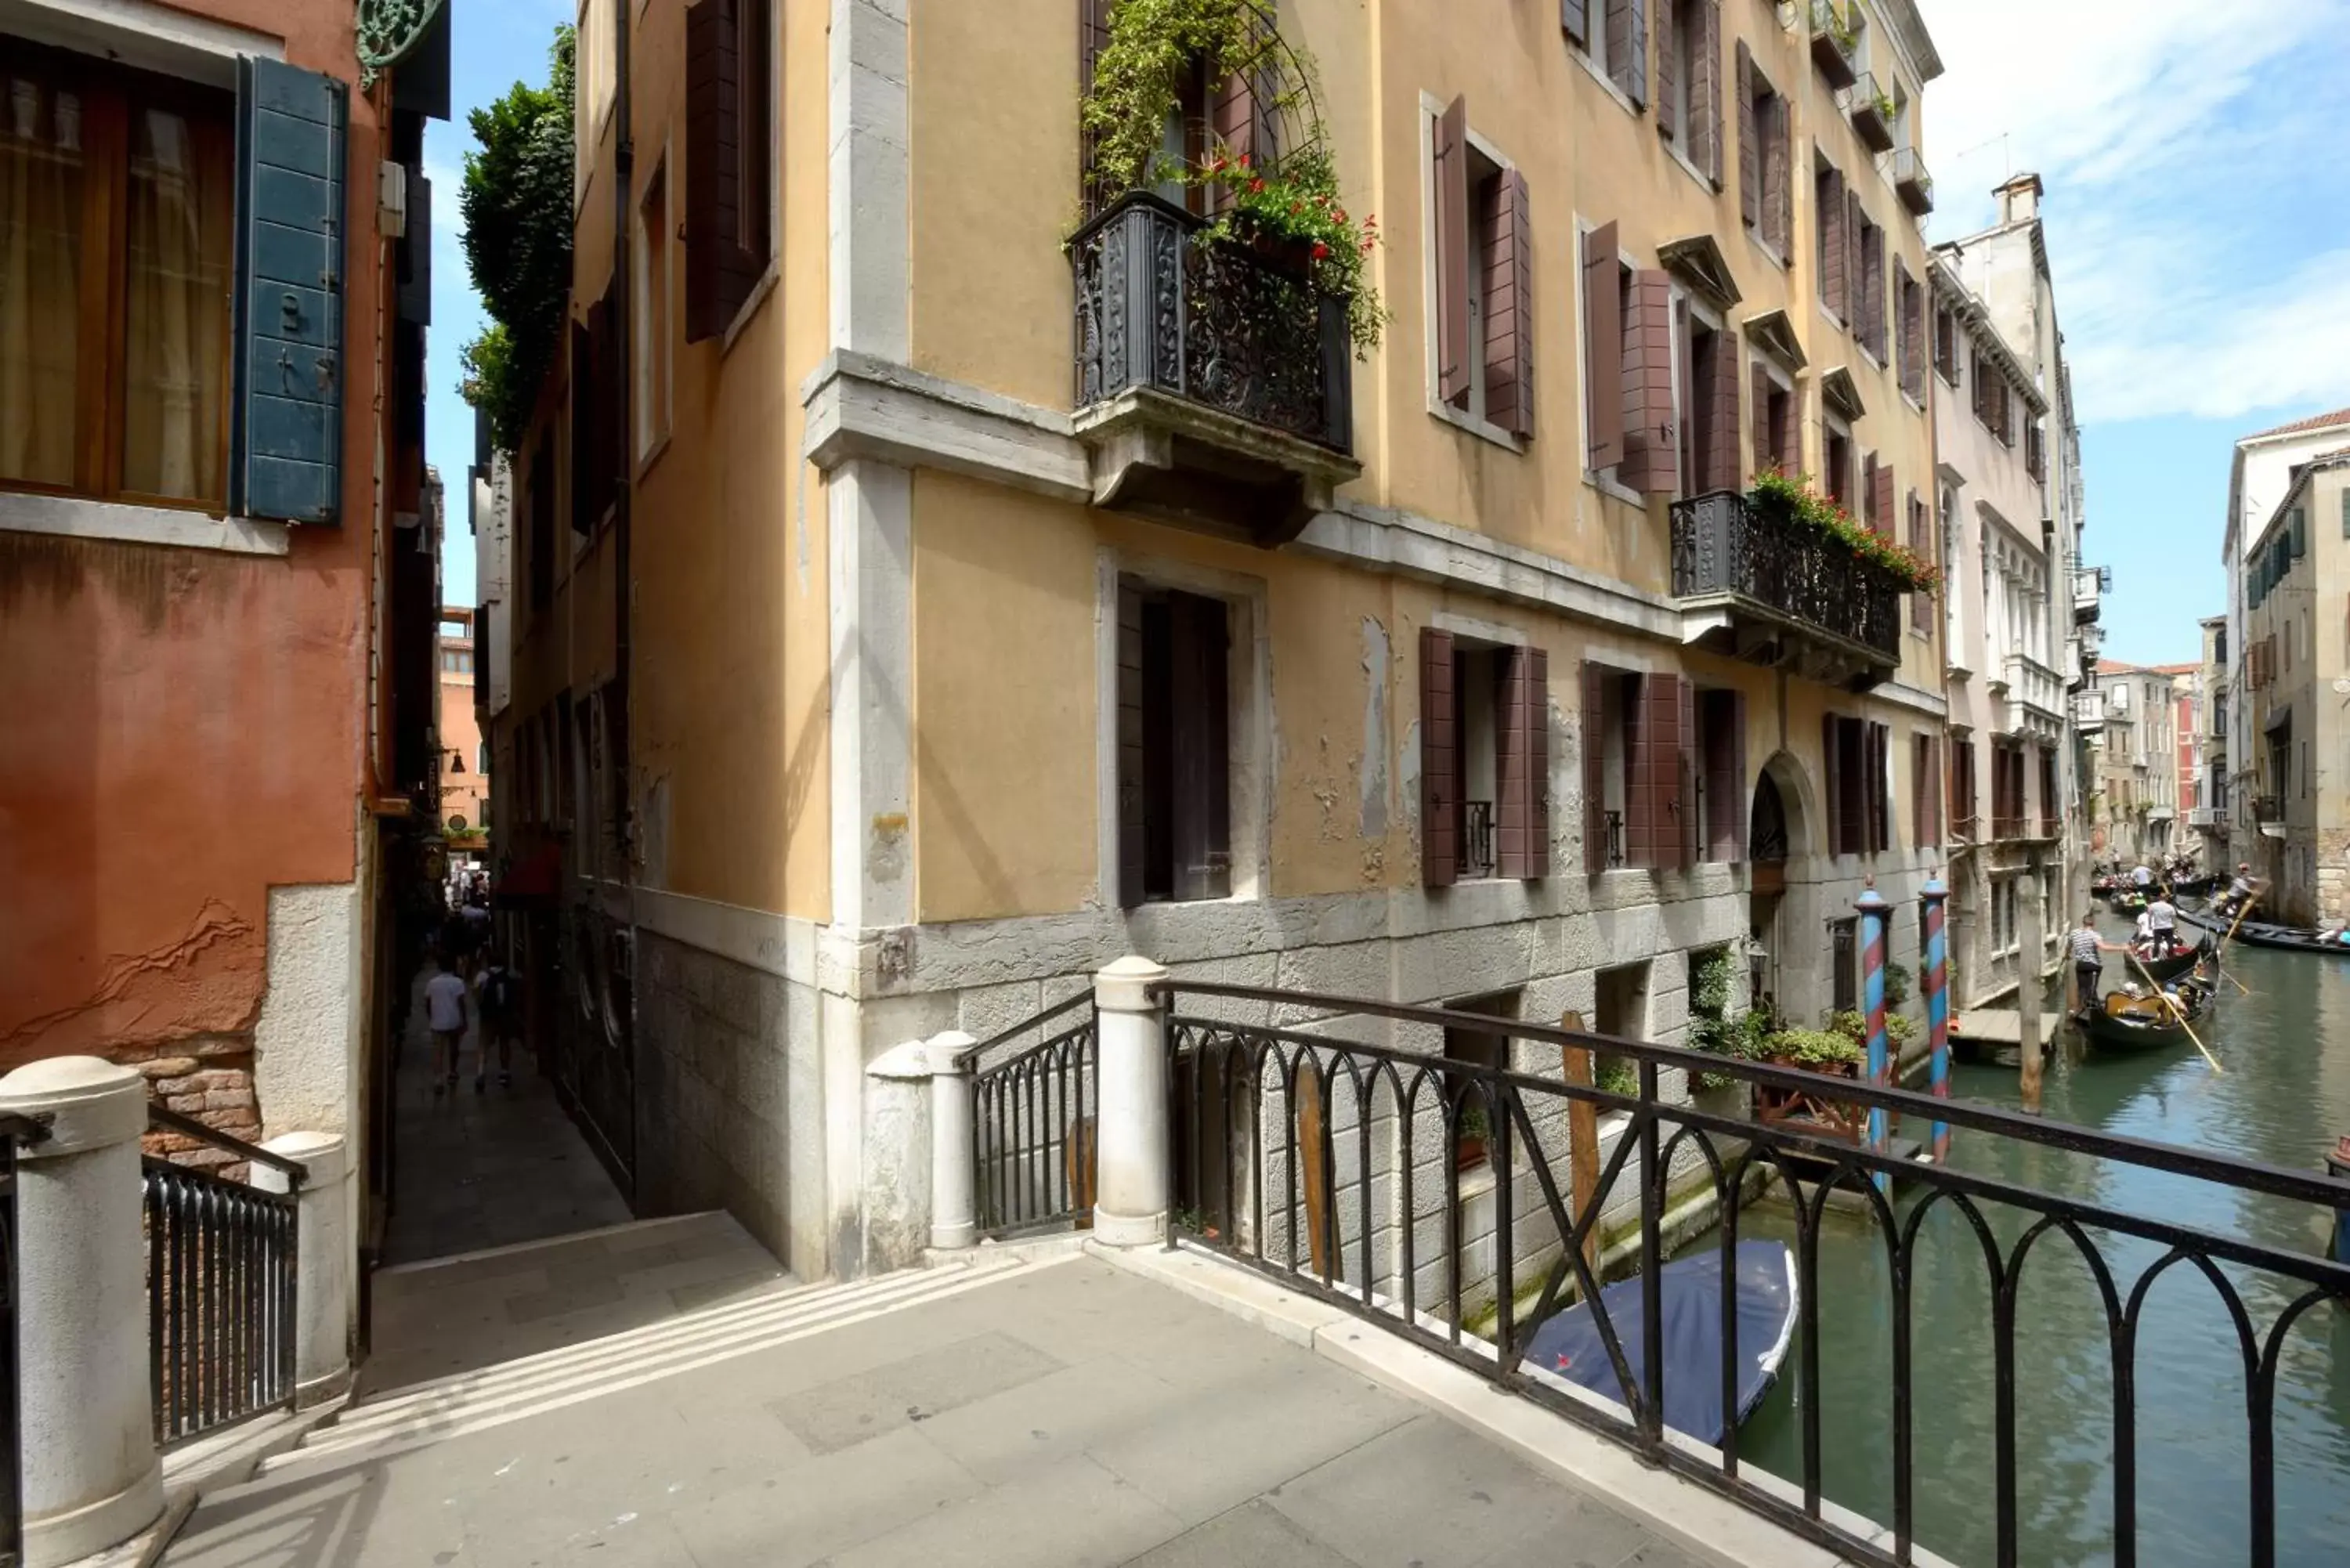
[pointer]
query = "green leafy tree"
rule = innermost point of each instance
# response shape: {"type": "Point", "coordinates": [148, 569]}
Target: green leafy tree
{"type": "Point", "coordinates": [517, 209]}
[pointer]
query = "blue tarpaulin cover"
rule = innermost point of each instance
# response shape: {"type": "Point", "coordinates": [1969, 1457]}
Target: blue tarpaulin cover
{"type": "Point", "coordinates": [1569, 1346]}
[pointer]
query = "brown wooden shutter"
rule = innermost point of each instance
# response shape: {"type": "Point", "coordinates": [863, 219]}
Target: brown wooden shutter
{"type": "Point", "coordinates": [1509, 308]}
{"type": "Point", "coordinates": [1200, 745]}
{"type": "Point", "coordinates": [1131, 888]}
{"type": "Point", "coordinates": [1603, 336]}
{"type": "Point", "coordinates": [1439, 760]}
{"type": "Point", "coordinates": [1832, 782]}
{"type": "Point", "coordinates": [1934, 786]}
{"type": "Point", "coordinates": [1686, 827]}
{"type": "Point", "coordinates": [1627, 49]}
{"type": "Point", "coordinates": [1668, 73]}
{"type": "Point", "coordinates": [1865, 503]}
{"type": "Point", "coordinates": [1921, 604]}
{"type": "Point", "coordinates": [1651, 456]}
{"type": "Point", "coordinates": [1512, 769]}
{"type": "Point", "coordinates": [713, 168]}
{"type": "Point", "coordinates": [1721, 455]}
{"type": "Point", "coordinates": [583, 434]}
{"type": "Point", "coordinates": [1779, 174]}
{"type": "Point", "coordinates": [1705, 88]}
{"type": "Point", "coordinates": [1789, 441]}
{"type": "Point", "coordinates": [1575, 20]}
{"type": "Point", "coordinates": [1856, 287]}
{"type": "Point", "coordinates": [1595, 767]}
{"type": "Point", "coordinates": [1758, 412]}
{"type": "Point", "coordinates": [1452, 254]}
{"type": "Point", "coordinates": [1882, 506]}
{"type": "Point", "coordinates": [1872, 244]}
{"type": "Point", "coordinates": [1750, 144]}
{"type": "Point", "coordinates": [1093, 36]}
{"type": "Point", "coordinates": [1831, 219]}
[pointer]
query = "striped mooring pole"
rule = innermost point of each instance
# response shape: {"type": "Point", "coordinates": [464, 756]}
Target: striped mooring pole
{"type": "Point", "coordinates": [1873, 909]}
{"type": "Point", "coordinates": [1936, 895]}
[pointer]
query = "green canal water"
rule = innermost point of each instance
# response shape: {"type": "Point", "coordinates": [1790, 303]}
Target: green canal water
{"type": "Point", "coordinates": [2285, 1098]}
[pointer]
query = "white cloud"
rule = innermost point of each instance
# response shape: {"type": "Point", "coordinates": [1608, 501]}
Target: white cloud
{"type": "Point", "coordinates": [2188, 148]}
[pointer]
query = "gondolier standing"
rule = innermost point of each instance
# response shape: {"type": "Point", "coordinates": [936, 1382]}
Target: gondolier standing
{"type": "Point", "coordinates": [2089, 960]}
{"type": "Point", "coordinates": [2240, 889]}
{"type": "Point", "coordinates": [2162, 923]}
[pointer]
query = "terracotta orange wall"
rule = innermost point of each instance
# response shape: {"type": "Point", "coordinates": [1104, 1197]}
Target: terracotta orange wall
{"type": "Point", "coordinates": [181, 729]}
{"type": "Point", "coordinates": [461, 736]}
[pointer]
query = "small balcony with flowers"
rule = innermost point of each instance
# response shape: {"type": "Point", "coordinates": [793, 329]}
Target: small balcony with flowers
{"type": "Point", "coordinates": [1780, 575]}
{"type": "Point", "coordinates": [1221, 284]}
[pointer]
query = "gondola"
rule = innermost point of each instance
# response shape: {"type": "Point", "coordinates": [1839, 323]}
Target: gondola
{"type": "Point", "coordinates": [1570, 1346]}
{"type": "Point", "coordinates": [2163, 969]}
{"type": "Point", "coordinates": [2126, 900]}
{"type": "Point", "coordinates": [2144, 1022]}
{"type": "Point", "coordinates": [2261, 934]}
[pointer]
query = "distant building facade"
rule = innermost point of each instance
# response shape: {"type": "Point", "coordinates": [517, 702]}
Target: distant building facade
{"type": "Point", "coordinates": [2296, 678]}
{"type": "Point", "coordinates": [465, 760]}
{"type": "Point", "coordinates": [2208, 817]}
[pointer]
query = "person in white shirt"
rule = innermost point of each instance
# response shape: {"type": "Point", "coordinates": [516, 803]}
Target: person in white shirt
{"type": "Point", "coordinates": [445, 1008]}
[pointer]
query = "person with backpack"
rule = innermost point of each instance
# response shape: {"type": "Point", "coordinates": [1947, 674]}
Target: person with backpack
{"type": "Point", "coordinates": [501, 1020]}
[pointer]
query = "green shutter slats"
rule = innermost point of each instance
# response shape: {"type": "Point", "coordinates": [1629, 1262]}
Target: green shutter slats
{"type": "Point", "coordinates": [289, 397]}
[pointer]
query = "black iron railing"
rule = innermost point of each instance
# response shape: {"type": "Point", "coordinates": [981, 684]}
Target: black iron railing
{"type": "Point", "coordinates": [1217, 324]}
{"type": "Point", "coordinates": [13, 1130]}
{"type": "Point", "coordinates": [1033, 1119]}
{"type": "Point", "coordinates": [219, 1283]}
{"type": "Point", "coordinates": [1613, 822]}
{"type": "Point", "coordinates": [1306, 1156]}
{"type": "Point", "coordinates": [1477, 843]}
{"type": "Point", "coordinates": [1724, 545]}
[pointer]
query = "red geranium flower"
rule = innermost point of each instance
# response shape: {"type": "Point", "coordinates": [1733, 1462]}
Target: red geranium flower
{"type": "Point", "coordinates": [1320, 250]}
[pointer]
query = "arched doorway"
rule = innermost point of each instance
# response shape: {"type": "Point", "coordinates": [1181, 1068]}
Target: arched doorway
{"type": "Point", "coordinates": [1778, 904]}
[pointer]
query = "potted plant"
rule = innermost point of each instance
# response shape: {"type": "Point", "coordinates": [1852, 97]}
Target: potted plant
{"type": "Point", "coordinates": [1291, 216]}
{"type": "Point", "coordinates": [1790, 500]}
{"type": "Point", "coordinates": [1471, 1137]}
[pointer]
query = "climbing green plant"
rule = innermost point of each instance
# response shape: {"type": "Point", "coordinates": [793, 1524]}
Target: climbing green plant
{"type": "Point", "coordinates": [516, 203]}
{"type": "Point", "coordinates": [1711, 1028]}
{"type": "Point", "coordinates": [1138, 75]}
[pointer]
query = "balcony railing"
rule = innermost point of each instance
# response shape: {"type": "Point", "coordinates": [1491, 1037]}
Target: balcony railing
{"type": "Point", "coordinates": [2036, 697]}
{"type": "Point", "coordinates": [1725, 547]}
{"type": "Point", "coordinates": [2089, 712]}
{"type": "Point", "coordinates": [1831, 44]}
{"type": "Point", "coordinates": [1872, 115]}
{"type": "Point", "coordinates": [1912, 184]}
{"type": "Point", "coordinates": [2090, 584]}
{"type": "Point", "coordinates": [1214, 324]}
{"type": "Point", "coordinates": [1477, 843]}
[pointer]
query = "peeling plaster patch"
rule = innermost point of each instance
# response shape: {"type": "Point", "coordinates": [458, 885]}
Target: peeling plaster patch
{"type": "Point", "coordinates": [1374, 771]}
{"type": "Point", "coordinates": [885, 857]}
{"type": "Point", "coordinates": [1407, 779]}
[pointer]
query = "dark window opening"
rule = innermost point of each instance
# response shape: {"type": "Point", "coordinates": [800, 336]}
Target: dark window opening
{"type": "Point", "coordinates": [1181, 711]}
{"type": "Point", "coordinates": [1843, 964]}
{"type": "Point", "coordinates": [1476, 1112]}
{"type": "Point", "coordinates": [1838, 463]}
{"type": "Point", "coordinates": [1621, 1010]}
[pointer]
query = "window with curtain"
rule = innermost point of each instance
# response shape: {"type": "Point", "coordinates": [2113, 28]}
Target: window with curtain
{"type": "Point", "coordinates": [117, 254]}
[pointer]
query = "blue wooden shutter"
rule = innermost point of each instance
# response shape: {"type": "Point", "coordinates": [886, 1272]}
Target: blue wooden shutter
{"type": "Point", "coordinates": [289, 402]}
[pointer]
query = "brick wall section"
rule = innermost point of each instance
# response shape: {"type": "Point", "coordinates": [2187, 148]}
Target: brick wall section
{"type": "Point", "coordinates": [209, 1077]}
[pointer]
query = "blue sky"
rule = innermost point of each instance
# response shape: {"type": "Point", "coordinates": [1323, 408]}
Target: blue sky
{"type": "Point", "coordinates": [496, 42]}
{"type": "Point", "coordinates": [2198, 166]}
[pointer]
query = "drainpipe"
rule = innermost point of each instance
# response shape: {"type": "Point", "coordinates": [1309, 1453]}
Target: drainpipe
{"type": "Point", "coordinates": [624, 161]}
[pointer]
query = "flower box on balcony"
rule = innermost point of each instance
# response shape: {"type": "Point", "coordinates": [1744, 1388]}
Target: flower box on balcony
{"type": "Point", "coordinates": [1769, 586]}
{"type": "Point", "coordinates": [1214, 383]}
{"type": "Point", "coordinates": [1872, 113]}
{"type": "Point", "coordinates": [1832, 44]}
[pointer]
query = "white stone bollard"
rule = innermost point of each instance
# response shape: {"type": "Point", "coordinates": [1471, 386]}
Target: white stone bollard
{"type": "Point", "coordinates": [954, 1185]}
{"type": "Point", "coordinates": [894, 1197]}
{"type": "Point", "coordinates": [324, 1259]}
{"type": "Point", "coordinates": [91, 1475]}
{"type": "Point", "coordinates": [1131, 1197]}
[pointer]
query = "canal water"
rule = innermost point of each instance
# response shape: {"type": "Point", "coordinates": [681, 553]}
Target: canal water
{"type": "Point", "coordinates": [2284, 1099]}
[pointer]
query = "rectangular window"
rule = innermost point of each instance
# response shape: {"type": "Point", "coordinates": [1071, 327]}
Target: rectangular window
{"type": "Point", "coordinates": [120, 191]}
{"type": "Point", "coordinates": [1963, 791]}
{"type": "Point", "coordinates": [1720, 750]}
{"type": "Point", "coordinates": [1483, 263]}
{"type": "Point", "coordinates": [1946, 344]}
{"type": "Point", "coordinates": [728, 166]}
{"type": "Point", "coordinates": [1484, 1049]}
{"type": "Point", "coordinates": [1828, 209]}
{"type": "Point", "coordinates": [1868, 317]}
{"type": "Point", "coordinates": [1926, 790]}
{"type": "Point", "coordinates": [1843, 964]}
{"type": "Point", "coordinates": [1910, 324]}
{"type": "Point", "coordinates": [652, 313]}
{"type": "Point", "coordinates": [1765, 164]}
{"type": "Point", "coordinates": [1836, 459]}
{"type": "Point", "coordinates": [1484, 760]}
{"type": "Point", "coordinates": [1639, 738]}
{"type": "Point", "coordinates": [1603, 350]}
{"type": "Point", "coordinates": [1708, 399]}
{"type": "Point", "coordinates": [1174, 733]}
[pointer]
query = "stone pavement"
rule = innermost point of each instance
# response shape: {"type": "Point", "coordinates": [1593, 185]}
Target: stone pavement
{"type": "Point", "coordinates": [1064, 1412]}
{"type": "Point", "coordinates": [473, 1171]}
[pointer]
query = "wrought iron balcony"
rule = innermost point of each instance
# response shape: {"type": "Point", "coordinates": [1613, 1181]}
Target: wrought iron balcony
{"type": "Point", "coordinates": [1832, 44]}
{"type": "Point", "coordinates": [1912, 184]}
{"type": "Point", "coordinates": [1215, 384]}
{"type": "Point", "coordinates": [1872, 113]}
{"type": "Point", "coordinates": [1770, 591]}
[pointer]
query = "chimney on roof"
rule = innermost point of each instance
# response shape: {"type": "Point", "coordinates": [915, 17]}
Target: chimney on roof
{"type": "Point", "coordinates": [2019, 199]}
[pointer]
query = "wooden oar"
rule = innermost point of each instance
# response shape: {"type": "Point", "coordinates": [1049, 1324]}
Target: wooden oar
{"type": "Point", "coordinates": [2176, 1012]}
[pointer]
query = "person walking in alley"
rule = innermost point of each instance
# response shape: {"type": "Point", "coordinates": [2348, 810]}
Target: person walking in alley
{"type": "Point", "coordinates": [2089, 960]}
{"type": "Point", "coordinates": [501, 1020]}
{"type": "Point", "coordinates": [444, 1013]}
